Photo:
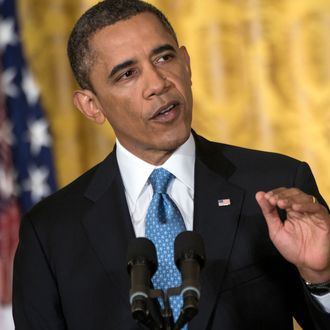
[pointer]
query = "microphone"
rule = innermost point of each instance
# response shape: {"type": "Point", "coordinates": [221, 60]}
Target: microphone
{"type": "Point", "coordinates": [189, 255]}
{"type": "Point", "coordinates": [141, 265]}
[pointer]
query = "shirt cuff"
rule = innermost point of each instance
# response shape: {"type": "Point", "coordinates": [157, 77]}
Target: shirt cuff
{"type": "Point", "coordinates": [324, 301]}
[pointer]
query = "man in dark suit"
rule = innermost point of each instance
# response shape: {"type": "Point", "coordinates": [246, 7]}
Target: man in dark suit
{"type": "Point", "coordinates": [70, 266]}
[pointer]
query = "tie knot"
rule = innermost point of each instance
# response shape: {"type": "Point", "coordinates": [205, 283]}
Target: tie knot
{"type": "Point", "coordinates": [159, 179]}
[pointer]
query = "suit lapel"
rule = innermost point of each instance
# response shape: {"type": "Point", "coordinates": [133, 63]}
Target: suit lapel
{"type": "Point", "coordinates": [216, 224]}
{"type": "Point", "coordinates": [108, 223]}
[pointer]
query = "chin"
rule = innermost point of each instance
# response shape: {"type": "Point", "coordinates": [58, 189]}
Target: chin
{"type": "Point", "coordinates": [171, 143]}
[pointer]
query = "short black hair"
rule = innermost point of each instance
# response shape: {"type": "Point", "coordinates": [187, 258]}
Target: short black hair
{"type": "Point", "coordinates": [103, 14]}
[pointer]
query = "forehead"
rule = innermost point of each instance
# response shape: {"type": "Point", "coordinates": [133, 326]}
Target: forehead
{"type": "Point", "coordinates": [142, 32]}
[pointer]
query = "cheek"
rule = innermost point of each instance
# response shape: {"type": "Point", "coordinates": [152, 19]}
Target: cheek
{"type": "Point", "coordinates": [127, 101]}
{"type": "Point", "coordinates": [126, 114]}
{"type": "Point", "coordinates": [183, 81]}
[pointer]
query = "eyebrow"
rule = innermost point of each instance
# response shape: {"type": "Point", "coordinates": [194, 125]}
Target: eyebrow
{"type": "Point", "coordinates": [120, 67]}
{"type": "Point", "coordinates": [128, 63]}
{"type": "Point", "coordinates": [162, 48]}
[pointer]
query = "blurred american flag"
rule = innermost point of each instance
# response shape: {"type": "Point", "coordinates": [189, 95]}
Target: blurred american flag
{"type": "Point", "coordinates": [26, 165]}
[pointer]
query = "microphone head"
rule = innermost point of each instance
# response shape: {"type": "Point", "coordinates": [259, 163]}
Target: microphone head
{"type": "Point", "coordinates": [142, 249]}
{"type": "Point", "coordinates": [189, 243]}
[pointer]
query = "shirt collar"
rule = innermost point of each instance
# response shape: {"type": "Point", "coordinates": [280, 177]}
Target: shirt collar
{"type": "Point", "coordinates": [135, 171]}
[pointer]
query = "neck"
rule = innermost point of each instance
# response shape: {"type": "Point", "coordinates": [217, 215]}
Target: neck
{"type": "Point", "coordinates": [156, 158]}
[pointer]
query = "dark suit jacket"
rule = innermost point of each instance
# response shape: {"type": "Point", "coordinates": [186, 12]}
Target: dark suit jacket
{"type": "Point", "coordinates": [70, 266]}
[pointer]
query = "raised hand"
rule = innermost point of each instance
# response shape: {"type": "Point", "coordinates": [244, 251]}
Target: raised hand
{"type": "Point", "coordinates": [304, 237]}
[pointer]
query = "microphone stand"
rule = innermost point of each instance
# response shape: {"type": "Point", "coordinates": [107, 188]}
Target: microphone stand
{"type": "Point", "coordinates": [166, 313]}
{"type": "Point", "coordinates": [188, 311]}
{"type": "Point", "coordinates": [141, 312]}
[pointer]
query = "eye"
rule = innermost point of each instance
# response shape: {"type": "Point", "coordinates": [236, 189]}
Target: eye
{"type": "Point", "coordinates": [127, 74]}
{"type": "Point", "coordinates": [165, 58]}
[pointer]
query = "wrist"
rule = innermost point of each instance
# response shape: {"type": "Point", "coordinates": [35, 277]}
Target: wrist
{"type": "Point", "coordinates": [318, 289]}
{"type": "Point", "coordinates": [315, 277]}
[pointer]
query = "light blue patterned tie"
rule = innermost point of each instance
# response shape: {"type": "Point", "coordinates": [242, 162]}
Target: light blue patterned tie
{"type": "Point", "coordinates": [163, 223]}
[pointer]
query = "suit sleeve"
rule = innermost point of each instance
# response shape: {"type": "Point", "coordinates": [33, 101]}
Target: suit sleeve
{"type": "Point", "coordinates": [36, 302]}
{"type": "Point", "coordinates": [306, 182]}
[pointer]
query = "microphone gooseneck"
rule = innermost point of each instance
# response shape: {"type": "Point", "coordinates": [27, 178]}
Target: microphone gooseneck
{"type": "Point", "coordinates": [189, 255]}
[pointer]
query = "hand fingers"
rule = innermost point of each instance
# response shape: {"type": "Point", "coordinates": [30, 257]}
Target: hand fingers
{"type": "Point", "coordinates": [283, 194]}
{"type": "Point", "coordinates": [294, 199]}
{"type": "Point", "coordinates": [269, 211]}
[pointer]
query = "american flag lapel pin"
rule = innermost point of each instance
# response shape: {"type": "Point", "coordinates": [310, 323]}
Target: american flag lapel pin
{"type": "Point", "coordinates": [224, 202]}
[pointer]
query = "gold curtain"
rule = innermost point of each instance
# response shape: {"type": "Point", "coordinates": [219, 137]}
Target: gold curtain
{"type": "Point", "coordinates": [261, 77]}
{"type": "Point", "coordinates": [261, 74]}
{"type": "Point", "coordinates": [45, 26]}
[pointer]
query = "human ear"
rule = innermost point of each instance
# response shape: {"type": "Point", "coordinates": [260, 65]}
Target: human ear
{"type": "Point", "coordinates": [86, 102]}
{"type": "Point", "coordinates": [186, 58]}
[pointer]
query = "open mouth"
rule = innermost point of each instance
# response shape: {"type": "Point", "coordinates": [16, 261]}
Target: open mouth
{"type": "Point", "coordinates": [166, 111]}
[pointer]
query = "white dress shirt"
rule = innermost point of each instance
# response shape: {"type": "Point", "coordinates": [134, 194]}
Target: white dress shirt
{"type": "Point", "coordinates": [135, 173]}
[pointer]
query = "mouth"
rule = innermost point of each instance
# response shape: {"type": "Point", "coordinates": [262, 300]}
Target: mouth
{"type": "Point", "coordinates": [167, 112]}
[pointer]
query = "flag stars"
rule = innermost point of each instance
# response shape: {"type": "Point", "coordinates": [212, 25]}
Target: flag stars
{"type": "Point", "coordinates": [7, 82]}
{"type": "Point", "coordinates": [38, 135]}
{"type": "Point", "coordinates": [29, 87]}
{"type": "Point", "coordinates": [37, 184]}
{"type": "Point", "coordinates": [7, 33]}
{"type": "Point", "coordinates": [27, 133]}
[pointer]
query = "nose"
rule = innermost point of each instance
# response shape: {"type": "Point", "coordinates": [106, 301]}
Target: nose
{"type": "Point", "coordinates": [156, 82]}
